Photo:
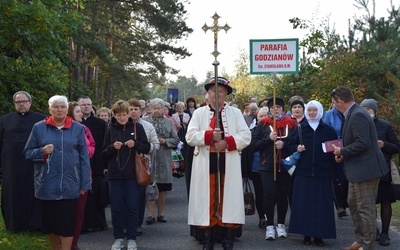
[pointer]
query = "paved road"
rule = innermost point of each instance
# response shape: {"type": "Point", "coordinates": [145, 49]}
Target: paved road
{"type": "Point", "coordinates": [175, 233]}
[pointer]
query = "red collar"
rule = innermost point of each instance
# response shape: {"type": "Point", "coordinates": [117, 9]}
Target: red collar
{"type": "Point", "coordinates": [282, 123]}
{"type": "Point", "coordinates": [67, 123]}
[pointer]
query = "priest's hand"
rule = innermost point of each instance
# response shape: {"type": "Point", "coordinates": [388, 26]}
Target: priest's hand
{"type": "Point", "coordinates": [220, 146]}
{"type": "Point", "coordinates": [217, 135]}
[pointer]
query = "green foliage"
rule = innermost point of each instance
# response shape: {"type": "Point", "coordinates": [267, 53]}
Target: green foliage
{"type": "Point", "coordinates": [34, 52]}
{"type": "Point", "coordinates": [98, 48]}
{"type": "Point", "coordinates": [188, 87]}
{"type": "Point", "coordinates": [369, 66]}
{"type": "Point", "coordinates": [127, 41]}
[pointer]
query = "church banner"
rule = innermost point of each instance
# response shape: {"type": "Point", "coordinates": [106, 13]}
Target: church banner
{"type": "Point", "coordinates": [172, 95]}
{"type": "Point", "coordinates": [279, 56]}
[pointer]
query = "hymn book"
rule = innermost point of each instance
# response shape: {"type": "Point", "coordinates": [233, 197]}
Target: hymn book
{"type": "Point", "coordinates": [328, 148]}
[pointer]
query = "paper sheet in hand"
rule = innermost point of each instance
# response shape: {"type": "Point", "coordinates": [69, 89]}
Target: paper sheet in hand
{"type": "Point", "coordinates": [328, 148]}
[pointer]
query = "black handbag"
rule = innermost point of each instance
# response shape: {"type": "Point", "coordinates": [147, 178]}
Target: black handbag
{"type": "Point", "coordinates": [104, 191]}
{"type": "Point", "coordinates": [249, 205]}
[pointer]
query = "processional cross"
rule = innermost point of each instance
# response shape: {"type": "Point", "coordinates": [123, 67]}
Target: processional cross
{"type": "Point", "coordinates": [216, 28]}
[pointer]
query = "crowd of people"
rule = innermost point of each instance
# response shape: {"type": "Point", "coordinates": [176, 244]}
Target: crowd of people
{"type": "Point", "coordinates": [60, 171]}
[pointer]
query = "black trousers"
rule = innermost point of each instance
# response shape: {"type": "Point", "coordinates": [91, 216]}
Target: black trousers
{"type": "Point", "coordinates": [275, 192]}
{"type": "Point", "coordinates": [258, 192]}
{"type": "Point", "coordinates": [95, 216]}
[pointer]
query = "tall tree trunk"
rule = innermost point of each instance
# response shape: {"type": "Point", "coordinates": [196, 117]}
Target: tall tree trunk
{"type": "Point", "coordinates": [78, 56]}
{"type": "Point", "coordinates": [108, 93]}
{"type": "Point", "coordinates": [89, 72]}
{"type": "Point", "coordinates": [84, 66]}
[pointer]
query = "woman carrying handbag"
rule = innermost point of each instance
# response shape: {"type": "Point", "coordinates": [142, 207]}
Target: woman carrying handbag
{"type": "Point", "coordinates": [120, 149]}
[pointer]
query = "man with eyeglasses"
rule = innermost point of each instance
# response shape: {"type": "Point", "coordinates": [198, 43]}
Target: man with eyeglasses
{"type": "Point", "coordinates": [94, 217]}
{"type": "Point", "coordinates": [364, 164]}
{"type": "Point", "coordinates": [18, 204]}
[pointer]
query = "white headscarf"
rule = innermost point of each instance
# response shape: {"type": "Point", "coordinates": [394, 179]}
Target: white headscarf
{"type": "Point", "coordinates": [314, 122]}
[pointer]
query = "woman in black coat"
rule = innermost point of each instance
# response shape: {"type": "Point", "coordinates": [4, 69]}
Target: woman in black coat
{"type": "Point", "coordinates": [312, 213]}
{"type": "Point", "coordinates": [275, 179]}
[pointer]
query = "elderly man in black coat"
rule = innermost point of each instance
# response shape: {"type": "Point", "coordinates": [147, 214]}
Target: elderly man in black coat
{"type": "Point", "coordinates": [18, 204]}
{"type": "Point", "coordinates": [95, 218]}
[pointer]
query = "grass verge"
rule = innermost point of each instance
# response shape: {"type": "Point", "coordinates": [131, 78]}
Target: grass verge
{"type": "Point", "coordinates": [395, 222]}
{"type": "Point", "coordinates": [22, 241]}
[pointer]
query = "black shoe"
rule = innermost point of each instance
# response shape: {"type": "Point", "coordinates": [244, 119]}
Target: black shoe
{"type": "Point", "coordinates": [341, 212]}
{"type": "Point", "coordinates": [307, 240]}
{"type": "Point", "coordinates": [319, 242]}
{"type": "Point", "coordinates": [262, 224]}
{"type": "Point", "coordinates": [139, 231]}
{"type": "Point", "coordinates": [150, 220]}
{"type": "Point", "coordinates": [207, 238]}
{"type": "Point", "coordinates": [104, 228]}
{"type": "Point", "coordinates": [384, 240]}
{"type": "Point", "coordinates": [378, 235]}
{"type": "Point", "coordinates": [161, 219]}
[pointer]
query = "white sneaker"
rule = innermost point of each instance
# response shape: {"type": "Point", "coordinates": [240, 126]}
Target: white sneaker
{"type": "Point", "coordinates": [270, 233]}
{"type": "Point", "coordinates": [131, 245]}
{"type": "Point", "coordinates": [281, 231]}
{"type": "Point", "coordinates": [118, 244]}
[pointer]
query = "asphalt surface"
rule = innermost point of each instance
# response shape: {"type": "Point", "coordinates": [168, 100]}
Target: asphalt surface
{"type": "Point", "coordinates": [175, 234]}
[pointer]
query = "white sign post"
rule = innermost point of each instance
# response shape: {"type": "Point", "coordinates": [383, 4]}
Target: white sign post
{"type": "Point", "coordinates": [279, 56]}
{"type": "Point", "coordinates": [274, 56]}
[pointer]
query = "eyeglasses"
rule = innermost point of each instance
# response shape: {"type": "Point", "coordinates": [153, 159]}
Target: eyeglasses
{"type": "Point", "coordinates": [85, 104]}
{"type": "Point", "coordinates": [21, 102]}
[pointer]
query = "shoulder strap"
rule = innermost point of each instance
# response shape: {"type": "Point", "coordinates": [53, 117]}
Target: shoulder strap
{"type": "Point", "coordinates": [134, 130]}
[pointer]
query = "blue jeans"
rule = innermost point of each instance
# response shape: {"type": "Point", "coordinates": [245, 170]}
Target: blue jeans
{"type": "Point", "coordinates": [124, 205]}
{"type": "Point", "coordinates": [142, 204]}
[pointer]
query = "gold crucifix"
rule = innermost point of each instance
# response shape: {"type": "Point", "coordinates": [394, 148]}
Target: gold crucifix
{"type": "Point", "coordinates": [215, 28]}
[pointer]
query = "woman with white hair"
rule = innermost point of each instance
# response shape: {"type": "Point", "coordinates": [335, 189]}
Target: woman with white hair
{"type": "Point", "coordinates": [251, 117]}
{"type": "Point", "coordinates": [181, 120]}
{"type": "Point", "coordinates": [168, 139]}
{"type": "Point", "coordinates": [312, 211]}
{"type": "Point", "coordinates": [57, 146]}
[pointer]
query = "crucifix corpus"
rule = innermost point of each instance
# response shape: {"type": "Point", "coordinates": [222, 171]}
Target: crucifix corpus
{"type": "Point", "coordinates": [216, 28]}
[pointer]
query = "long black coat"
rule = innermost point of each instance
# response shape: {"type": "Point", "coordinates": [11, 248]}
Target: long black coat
{"type": "Point", "coordinates": [18, 204]}
{"type": "Point", "coordinates": [313, 161]}
{"type": "Point", "coordinates": [312, 211]}
{"type": "Point", "coordinates": [98, 129]}
{"type": "Point", "coordinates": [387, 134]}
{"type": "Point", "coordinates": [95, 217]}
